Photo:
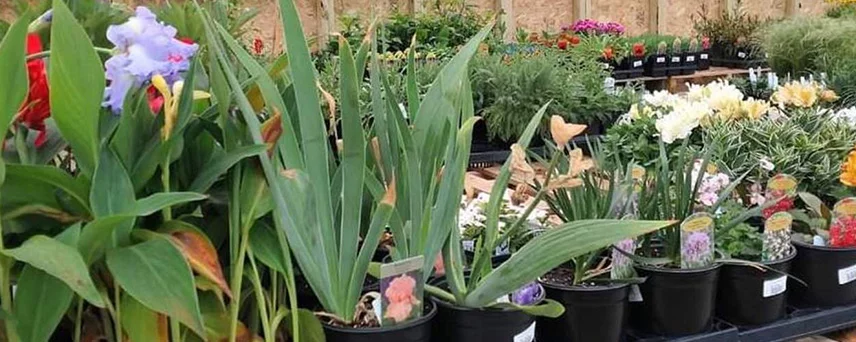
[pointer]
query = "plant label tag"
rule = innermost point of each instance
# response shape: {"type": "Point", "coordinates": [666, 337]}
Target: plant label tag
{"type": "Point", "coordinates": [697, 247]}
{"type": "Point", "coordinates": [777, 236]}
{"type": "Point", "coordinates": [468, 245]}
{"type": "Point", "coordinates": [676, 59]}
{"type": "Point", "coordinates": [622, 266]}
{"type": "Point", "coordinates": [781, 188]}
{"type": "Point", "coordinates": [661, 59]}
{"type": "Point", "coordinates": [741, 54]}
{"type": "Point", "coordinates": [690, 58]}
{"type": "Point", "coordinates": [402, 289]}
{"type": "Point", "coordinates": [605, 66]}
{"type": "Point", "coordinates": [842, 230]}
{"type": "Point", "coordinates": [635, 295]}
{"type": "Point", "coordinates": [527, 335]}
{"type": "Point", "coordinates": [703, 56]}
{"type": "Point", "coordinates": [637, 64]}
{"type": "Point", "coordinates": [776, 286]}
{"type": "Point", "coordinates": [846, 275]}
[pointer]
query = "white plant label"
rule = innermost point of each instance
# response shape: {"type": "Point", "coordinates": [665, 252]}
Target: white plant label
{"type": "Point", "coordinates": [637, 64]}
{"type": "Point", "coordinates": [469, 245]}
{"type": "Point", "coordinates": [741, 54]}
{"type": "Point", "coordinates": [703, 56]}
{"type": "Point", "coordinates": [527, 335]}
{"type": "Point", "coordinates": [776, 286]}
{"type": "Point", "coordinates": [661, 59]}
{"type": "Point", "coordinates": [690, 58]}
{"type": "Point", "coordinates": [676, 59]}
{"type": "Point", "coordinates": [635, 294]}
{"type": "Point", "coordinates": [846, 275]}
{"type": "Point", "coordinates": [605, 65]}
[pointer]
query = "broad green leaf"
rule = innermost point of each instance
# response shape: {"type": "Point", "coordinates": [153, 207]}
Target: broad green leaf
{"type": "Point", "coordinates": [219, 165]}
{"type": "Point", "coordinates": [41, 300]}
{"type": "Point", "coordinates": [76, 188]}
{"type": "Point", "coordinates": [112, 192]}
{"type": "Point", "coordinates": [550, 250]}
{"type": "Point", "coordinates": [156, 202]}
{"type": "Point", "coordinates": [96, 236]}
{"type": "Point", "coordinates": [59, 260]}
{"type": "Point", "coordinates": [549, 308]}
{"type": "Point", "coordinates": [309, 325]}
{"type": "Point", "coordinates": [155, 273]}
{"type": "Point", "coordinates": [2, 171]}
{"type": "Point", "coordinates": [264, 245]}
{"type": "Point", "coordinates": [13, 72]}
{"type": "Point", "coordinates": [141, 323]}
{"type": "Point", "coordinates": [76, 76]}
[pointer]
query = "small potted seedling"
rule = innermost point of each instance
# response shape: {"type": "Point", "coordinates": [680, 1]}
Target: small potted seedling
{"type": "Point", "coordinates": [704, 54]}
{"type": "Point", "coordinates": [636, 60]}
{"type": "Point", "coordinates": [676, 58]}
{"type": "Point", "coordinates": [690, 58]}
{"type": "Point", "coordinates": [657, 63]}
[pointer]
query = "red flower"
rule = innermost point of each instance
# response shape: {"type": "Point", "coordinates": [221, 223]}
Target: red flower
{"type": "Point", "coordinates": [186, 40]}
{"type": "Point", "coordinates": [575, 40]}
{"type": "Point", "coordinates": [563, 44]}
{"type": "Point", "coordinates": [258, 46]}
{"type": "Point", "coordinates": [784, 204]}
{"type": "Point", "coordinates": [608, 54]}
{"type": "Point", "coordinates": [155, 99]}
{"type": "Point", "coordinates": [705, 43]}
{"type": "Point", "coordinates": [639, 50]}
{"type": "Point", "coordinates": [37, 107]}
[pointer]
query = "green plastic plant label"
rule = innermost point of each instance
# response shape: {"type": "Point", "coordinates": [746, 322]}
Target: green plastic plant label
{"type": "Point", "coordinates": [697, 247]}
{"type": "Point", "coordinates": [842, 230]}
{"type": "Point", "coordinates": [777, 237]}
{"type": "Point", "coordinates": [782, 189]}
{"type": "Point", "coordinates": [402, 289]}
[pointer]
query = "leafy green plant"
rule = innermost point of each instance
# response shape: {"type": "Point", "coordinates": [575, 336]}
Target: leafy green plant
{"type": "Point", "coordinates": [732, 31]}
{"type": "Point", "coordinates": [803, 46]}
{"type": "Point", "coordinates": [741, 241]}
{"type": "Point", "coordinates": [184, 17]}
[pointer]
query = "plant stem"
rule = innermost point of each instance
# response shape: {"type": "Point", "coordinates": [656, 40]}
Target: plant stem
{"type": "Point", "coordinates": [167, 211]}
{"type": "Point", "coordinates": [260, 301]}
{"type": "Point", "coordinates": [237, 278]}
{"type": "Point", "coordinates": [78, 320]}
{"type": "Point", "coordinates": [47, 53]}
{"type": "Point", "coordinates": [175, 330]}
{"type": "Point", "coordinates": [117, 318]}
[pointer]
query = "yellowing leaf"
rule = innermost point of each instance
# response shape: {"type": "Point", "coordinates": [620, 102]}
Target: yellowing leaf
{"type": "Point", "coordinates": [519, 166]}
{"type": "Point", "coordinates": [199, 253]}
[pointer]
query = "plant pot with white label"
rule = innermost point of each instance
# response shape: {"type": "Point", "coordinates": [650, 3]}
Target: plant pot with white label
{"type": "Point", "coordinates": [417, 330]}
{"type": "Point", "coordinates": [704, 59]}
{"type": "Point", "coordinates": [675, 64]}
{"type": "Point", "coordinates": [750, 295]}
{"type": "Point", "coordinates": [675, 301]}
{"type": "Point", "coordinates": [593, 312]}
{"type": "Point", "coordinates": [829, 272]}
{"type": "Point", "coordinates": [656, 65]}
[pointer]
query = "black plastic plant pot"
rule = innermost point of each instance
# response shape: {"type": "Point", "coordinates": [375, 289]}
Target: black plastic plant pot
{"type": "Point", "coordinates": [656, 65]}
{"type": "Point", "coordinates": [704, 59]}
{"type": "Point", "coordinates": [748, 296]}
{"type": "Point", "coordinates": [636, 66]}
{"type": "Point", "coordinates": [675, 302]}
{"type": "Point", "coordinates": [418, 330]}
{"type": "Point", "coordinates": [592, 313]}
{"type": "Point", "coordinates": [675, 64]}
{"type": "Point", "coordinates": [690, 63]}
{"type": "Point", "coordinates": [829, 272]}
{"type": "Point", "coordinates": [460, 324]}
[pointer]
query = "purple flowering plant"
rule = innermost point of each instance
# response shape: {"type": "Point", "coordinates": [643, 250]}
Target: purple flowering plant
{"type": "Point", "coordinates": [594, 27]}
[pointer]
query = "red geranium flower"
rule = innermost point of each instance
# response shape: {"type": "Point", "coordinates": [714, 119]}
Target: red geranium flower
{"type": "Point", "coordinates": [608, 54]}
{"type": "Point", "coordinates": [639, 50]}
{"type": "Point", "coordinates": [705, 43]}
{"type": "Point", "coordinates": [563, 44]}
{"type": "Point", "coordinates": [37, 107]}
{"type": "Point", "coordinates": [575, 40]}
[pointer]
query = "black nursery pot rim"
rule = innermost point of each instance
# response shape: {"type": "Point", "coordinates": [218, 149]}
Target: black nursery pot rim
{"type": "Point", "coordinates": [679, 270]}
{"type": "Point", "coordinates": [579, 288]}
{"type": "Point", "coordinates": [374, 330]}
{"type": "Point", "coordinates": [447, 305]}
{"type": "Point", "coordinates": [823, 248]}
{"type": "Point", "coordinates": [790, 257]}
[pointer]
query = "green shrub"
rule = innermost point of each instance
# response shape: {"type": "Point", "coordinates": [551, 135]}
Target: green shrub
{"type": "Point", "coordinates": [804, 46]}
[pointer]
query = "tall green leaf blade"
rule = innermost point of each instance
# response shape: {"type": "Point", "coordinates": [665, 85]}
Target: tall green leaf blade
{"type": "Point", "coordinates": [59, 260]}
{"type": "Point", "coordinates": [221, 164]}
{"type": "Point", "coordinates": [96, 236]}
{"type": "Point", "coordinates": [353, 162]}
{"type": "Point", "coordinates": [76, 76]}
{"type": "Point", "coordinates": [264, 245]}
{"type": "Point", "coordinates": [13, 72]}
{"type": "Point", "coordinates": [156, 274]}
{"type": "Point", "coordinates": [550, 250]}
{"type": "Point", "coordinates": [156, 202]}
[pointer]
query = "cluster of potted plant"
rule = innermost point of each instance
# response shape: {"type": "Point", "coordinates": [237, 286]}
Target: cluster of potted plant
{"type": "Point", "coordinates": [735, 37]}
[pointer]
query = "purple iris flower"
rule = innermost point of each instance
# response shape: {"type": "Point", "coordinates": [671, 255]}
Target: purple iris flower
{"type": "Point", "coordinates": [527, 295]}
{"type": "Point", "coordinates": [144, 47]}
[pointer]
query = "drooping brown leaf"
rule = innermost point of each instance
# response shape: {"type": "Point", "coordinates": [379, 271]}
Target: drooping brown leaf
{"type": "Point", "coordinates": [578, 163]}
{"type": "Point", "coordinates": [272, 130]}
{"type": "Point", "coordinates": [390, 196]}
{"type": "Point", "coordinates": [331, 108]}
{"type": "Point", "coordinates": [564, 182]}
{"type": "Point", "coordinates": [519, 166]}
{"type": "Point", "coordinates": [563, 132]}
{"type": "Point", "coordinates": [201, 256]}
{"type": "Point", "coordinates": [520, 194]}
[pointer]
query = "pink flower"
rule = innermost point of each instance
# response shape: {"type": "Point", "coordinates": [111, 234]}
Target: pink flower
{"type": "Point", "coordinates": [401, 298]}
{"type": "Point", "coordinates": [439, 267]}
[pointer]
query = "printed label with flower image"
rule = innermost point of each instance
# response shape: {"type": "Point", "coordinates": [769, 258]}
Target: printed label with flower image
{"type": "Point", "coordinates": [782, 189]}
{"type": "Point", "coordinates": [777, 237]}
{"type": "Point", "coordinates": [622, 265]}
{"type": "Point", "coordinates": [697, 249]}
{"type": "Point", "coordinates": [402, 291]}
{"type": "Point", "coordinates": [842, 231]}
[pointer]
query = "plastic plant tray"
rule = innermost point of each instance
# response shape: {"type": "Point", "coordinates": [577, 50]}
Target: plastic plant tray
{"type": "Point", "coordinates": [801, 323]}
{"type": "Point", "coordinates": [721, 332]}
